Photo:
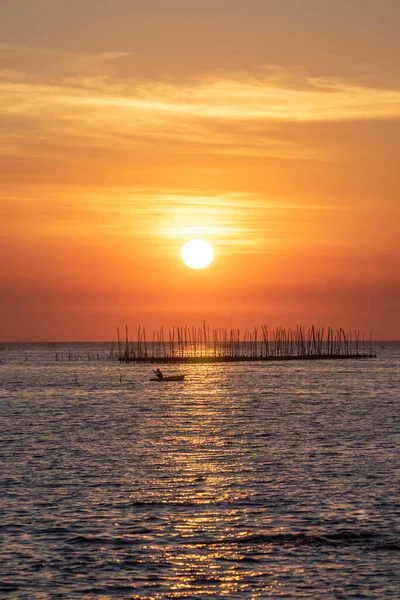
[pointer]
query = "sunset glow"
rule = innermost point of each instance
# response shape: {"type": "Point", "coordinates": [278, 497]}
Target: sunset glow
{"type": "Point", "coordinates": [129, 128]}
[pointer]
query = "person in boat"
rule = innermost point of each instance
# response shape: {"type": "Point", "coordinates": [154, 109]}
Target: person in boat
{"type": "Point", "coordinates": [158, 373]}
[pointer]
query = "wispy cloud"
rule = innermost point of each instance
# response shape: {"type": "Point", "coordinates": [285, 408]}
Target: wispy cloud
{"type": "Point", "coordinates": [226, 99]}
{"type": "Point", "coordinates": [69, 119]}
{"type": "Point", "coordinates": [225, 115]}
{"type": "Point", "coordinates": [235, 222]}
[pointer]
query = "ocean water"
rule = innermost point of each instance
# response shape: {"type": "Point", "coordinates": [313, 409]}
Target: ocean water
{"type": "Point", "coordinates": [256, 480]}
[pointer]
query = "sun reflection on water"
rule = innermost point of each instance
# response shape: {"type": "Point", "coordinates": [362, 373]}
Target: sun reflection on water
{"type": "Point", "coordinates": [222, 486]}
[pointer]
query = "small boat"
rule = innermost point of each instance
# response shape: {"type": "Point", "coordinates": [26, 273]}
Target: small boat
{"type": "Point", "coordinates": [168, 378]}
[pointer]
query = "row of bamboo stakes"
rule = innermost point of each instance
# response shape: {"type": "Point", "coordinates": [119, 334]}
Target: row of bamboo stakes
{"type": "Point", "coordinates": [200, 344]}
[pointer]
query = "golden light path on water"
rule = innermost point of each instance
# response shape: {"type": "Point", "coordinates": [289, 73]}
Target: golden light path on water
{"type": "Point", "coordinates": [207, 538]}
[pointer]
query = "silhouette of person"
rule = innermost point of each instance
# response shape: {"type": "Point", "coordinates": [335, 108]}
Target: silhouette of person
{"type": "Point", "coordinates": [159, 373]}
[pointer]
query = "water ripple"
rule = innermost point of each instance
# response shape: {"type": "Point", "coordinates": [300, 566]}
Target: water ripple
{"type": "Point", "coordinates": [247, 481]}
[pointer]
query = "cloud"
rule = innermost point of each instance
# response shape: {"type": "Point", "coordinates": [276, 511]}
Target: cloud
{"type": "Point", "coordinates": [92, 128]}
{"type": "Point", "coordinates": [78, 100]}
{"type": "Point", "coordinates": [236, 222]}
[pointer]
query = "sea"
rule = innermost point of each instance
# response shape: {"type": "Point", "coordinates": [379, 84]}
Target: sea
{"type": "Point", "coordinates": [247, 480]}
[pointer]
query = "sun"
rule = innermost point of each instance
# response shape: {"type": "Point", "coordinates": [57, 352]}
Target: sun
{"type": "Point", "coordinates": [197, 254]}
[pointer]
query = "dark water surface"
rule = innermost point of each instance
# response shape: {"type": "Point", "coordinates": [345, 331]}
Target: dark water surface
{"type": "Point", "coordinates": [276, 480]}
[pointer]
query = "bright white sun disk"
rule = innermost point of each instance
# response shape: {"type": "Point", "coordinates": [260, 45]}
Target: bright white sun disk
{"type": "Point", "coordinates": [197, 254]}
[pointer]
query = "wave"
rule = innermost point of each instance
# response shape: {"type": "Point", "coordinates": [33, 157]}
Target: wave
{"type": "Point", "coordinates": [205, 502]}
{"type": "Point", "coordinates": [364, 540]}
{"type": "Point", "coordinates": [367, 539]}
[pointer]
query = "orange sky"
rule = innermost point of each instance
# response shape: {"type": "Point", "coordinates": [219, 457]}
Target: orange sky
{"type": "Point", "coordinates": [272, 129]}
